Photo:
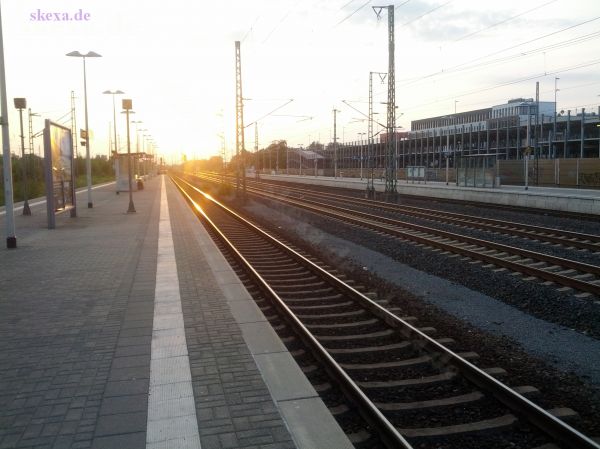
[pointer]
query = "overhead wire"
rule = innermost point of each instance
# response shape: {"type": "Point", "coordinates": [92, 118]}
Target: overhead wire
{"type": "Point", "coordinates": [508, 58]}
{"type": "Point", "coordinates": [503, 21]}
{"type": "Point", "coordinates": [426, 13]}
{"type": "Point", "coordinates": [452, 69]}
{"type": "Point", "coordinates": [508, 83]}
{"type": "Point", "coordinates": [281, 20]}
{"type": "Point", "coordinates": [354, 12]}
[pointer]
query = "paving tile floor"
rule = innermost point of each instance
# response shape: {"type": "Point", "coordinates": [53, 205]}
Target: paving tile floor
{"type": "Point", "coordinates": [76, 315]}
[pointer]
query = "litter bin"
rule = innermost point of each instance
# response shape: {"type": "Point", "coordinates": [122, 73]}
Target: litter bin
{"type": "Point", "coordinates": [140, 184]}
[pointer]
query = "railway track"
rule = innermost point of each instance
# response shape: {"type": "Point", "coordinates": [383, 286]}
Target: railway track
{"type": "Point", "coordinates": [411, 389]}
{"type": "Point", "coordinates": [562, 272]}
{"type": "Point", "coordinates": [542, 234]}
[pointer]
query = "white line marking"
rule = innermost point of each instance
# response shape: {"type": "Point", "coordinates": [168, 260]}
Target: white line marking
{"type": "Point", "coordinates": [171, 408]}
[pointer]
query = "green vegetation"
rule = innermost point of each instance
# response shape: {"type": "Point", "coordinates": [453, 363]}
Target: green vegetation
{"type": "Point", "coordinates": [102, 171]}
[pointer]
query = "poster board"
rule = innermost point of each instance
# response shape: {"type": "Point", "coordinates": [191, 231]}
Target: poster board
{"type": "Point", "coordinates": [59, 171]}
{"type": "Point", "coordinates": [122, 173]}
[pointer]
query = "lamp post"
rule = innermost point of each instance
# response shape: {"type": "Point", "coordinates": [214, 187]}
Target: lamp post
{"type": "Point", "coordinates": [455, 101]}
{"type": "Point", "coordinates": [141, 154]}
{"type": "Point", "coordinates": [145, 163]}
{"type": "Point", "coordinates": [554, 125]}
{"type": "Point", "coordinates": [137, 145]}
{"type": "Point", "coordinates": [89, 54]}
{"type": "Point", "coordinates": [598, 126]}
{"type": "Point", "coordinates": [11, 239]}
{"type": "Point", "coordinates": [300, 145]}
{"type": "Point", "coordinates": [360, 137]}
{"type": "Point", "coordinates": [127, 107]}
{"type": "Point", "coordinates": [113, 93]}
{"type": "Point", "coordinates": [20, 104]}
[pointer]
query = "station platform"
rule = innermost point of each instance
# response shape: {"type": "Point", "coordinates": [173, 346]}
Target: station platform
{"type": "Point", "coordinates": [585, 201]}
{"type": "Point", "coordinates": [131, 331]}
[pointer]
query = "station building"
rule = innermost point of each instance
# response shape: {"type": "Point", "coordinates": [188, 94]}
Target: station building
{"type": "Point", "coordinates": [564, 145]}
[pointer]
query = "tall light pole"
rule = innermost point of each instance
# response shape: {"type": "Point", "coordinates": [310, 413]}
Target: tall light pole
{"type": "Point", "coordinates": [360, 138]}
{"type": "Point", "coordinates": [335, 149]}
{"type": "Point", "coordinates": [137, 144]}
{"type": "Point", "coordinates": [554, 125]}
{"type": "Point", "coordinates": [300, 145]}
{"type": "Point", "coordinates": [142, 154]}
{"type": "Point", "coordinates": [11, 239]}
{"type": "Point", "coordinates": [127, 104]}
{"type": "Point", "coordinates": [455, 101]}
{"type": "Point", "coordinates": [20, 104]}
{"type": "Point", "coordinates": [89, 54]}
{"type": "Point", "coordinates": [113, 93]}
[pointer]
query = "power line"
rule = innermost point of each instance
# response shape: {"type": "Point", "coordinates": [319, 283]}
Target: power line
{"type": "Point", "coordinates": [467, 63]}
{"type": "Point", "coordinates": [401, 4]}
{"type": "Point", "coordinates": [529, 41]}
{"type": "Point", "coordinates": [285, 16]}
{"type": "Point", "coordinates": [503, 21]}
{"type": "Point", "coordinates": [508, 83]}
{"type": "Point", "coordinates": [464, 67]}
{"type": "Point", "coordinates": [351, 1]}
{"type": "Point", "coordinates": [426, 13]}
{"type": "Point", "coordinates": [354, 12]}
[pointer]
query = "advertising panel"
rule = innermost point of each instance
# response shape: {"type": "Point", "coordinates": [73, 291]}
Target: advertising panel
{"type": "Point", "coordinates": [122, 173]}
{"type": "Point", "coordinates": [60, 180]}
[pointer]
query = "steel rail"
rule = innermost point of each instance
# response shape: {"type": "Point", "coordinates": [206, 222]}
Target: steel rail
{"type": "Point", "coordinates": [387, 432]}
{"type": "Point", "coordinates": [526, 230]}
{"type": "Point", "coordinates": [374, 223]}
{"type": "Point", "coordinates": [542, 419]}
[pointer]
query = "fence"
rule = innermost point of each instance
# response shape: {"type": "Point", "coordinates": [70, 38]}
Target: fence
{"type": "Point", "coordinates": [569, 172]}
{"type": "Point", "coordinates": [553, 172]}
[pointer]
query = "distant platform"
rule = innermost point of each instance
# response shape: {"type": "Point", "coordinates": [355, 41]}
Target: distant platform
{"type": "Point", "coordinates": [550, 198]}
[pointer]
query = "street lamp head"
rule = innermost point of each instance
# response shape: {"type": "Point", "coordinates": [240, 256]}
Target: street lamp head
{"type": "Point", "coordinates": [20, 103]}
{"type": "Point", "coordinates": [89, 54]}
{"type": "Point", "coordinates": [116, 92]}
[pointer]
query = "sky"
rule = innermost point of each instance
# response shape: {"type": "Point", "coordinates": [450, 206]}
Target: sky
{"type": "Point", "coordinates": [176, 60]}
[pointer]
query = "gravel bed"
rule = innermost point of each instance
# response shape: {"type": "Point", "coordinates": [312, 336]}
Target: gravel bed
{"type": "Point", "coordinates": [526, 439]}
{"type": "Point", "coordinates": [343, 331]}
{"type": "Point", "coordinates": [542, 301]}
{"type": "Point", "coordinates": [485, 408]}
{"type": "Point", "coordinates": [377, 356]}
{"type": "Point", "coordinates": [548, 345]}
{"type": "Point", "coordinates": [381, 341]}
{"type": "Point", "coordinates": [413, 393]}
{"type": "Point", "coordinates": [589, 257]}
{"type": "Point", "coordinates": [406, 372]}
{"type": "Point", "coordinates": [586, 226]}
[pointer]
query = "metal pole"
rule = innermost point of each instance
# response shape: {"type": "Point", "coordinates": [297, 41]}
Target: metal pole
{"type": "Point", "coordinates": [526, 171]}
{"type": "Point", "coordinates": [114, 126]}
{"type": "Point", "coordinates": [335, 164]}
{"type": "Point", "coordinates": [554, 124]}
{"type": "Point", "coordinates": [582, 132]}
{"type": "Point", "coordinates": [11, 239]}
{"type": "Point", "coordinates": [26, 209]}
{"type": "Point", "coordinates": [131, 208]}
{"type": "Point", "coordinates": [370, 182]}
{"type": "Point", "coordinates": [239, 122]}
{"type": "Point", "coordinates": [88, 162]}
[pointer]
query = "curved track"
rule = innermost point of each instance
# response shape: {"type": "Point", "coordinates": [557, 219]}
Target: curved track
{"type": "Point", "coordinates": [409, 387]}
{"type": "Point", "coordinates": [565, 273]}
